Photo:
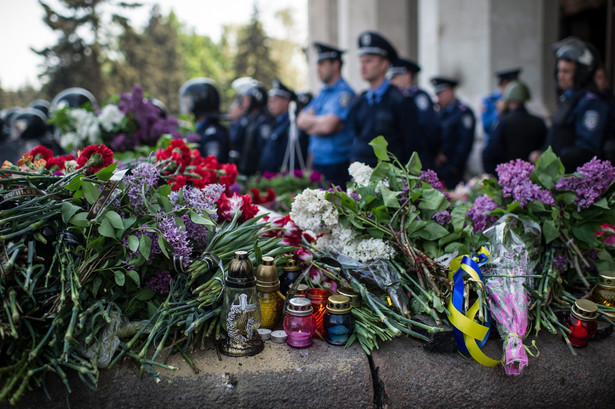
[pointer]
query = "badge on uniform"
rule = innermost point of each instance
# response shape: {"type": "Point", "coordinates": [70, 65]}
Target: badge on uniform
{"type": "Point", "coordinates": [591, 119]}
{"type": "Point", "coordinates": [467, 121]}
{"type": "Point", "coordinates": [345, 99]}
{"type": "Point", "coordinates": [421, 102]}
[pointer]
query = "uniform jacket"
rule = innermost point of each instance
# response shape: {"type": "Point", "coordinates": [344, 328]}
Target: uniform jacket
{"type": "Point", "coordinates": [214, 140]}
{"type": "Point", "coordinates": [275, 145]}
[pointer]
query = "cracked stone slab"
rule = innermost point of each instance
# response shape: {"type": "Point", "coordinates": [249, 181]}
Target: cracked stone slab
{"type": "Point", "coordinates": [280, 377]}
{"type": "Point", "coordinates": [410, 376]}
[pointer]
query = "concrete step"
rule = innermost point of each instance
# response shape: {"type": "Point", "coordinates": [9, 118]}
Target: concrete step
{"type": "Point", "coordinates": [401, 374]}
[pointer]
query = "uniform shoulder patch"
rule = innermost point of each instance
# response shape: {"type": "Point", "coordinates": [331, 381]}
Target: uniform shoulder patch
{"type": "Point", "coordinates": [590, 96]}
{"type": "Point", "coordinates": [591, 118]}
{"type": "Point", "coordinates": [467, 121]}
{"type": "Point", "coordinates": [344, 99]}
{"type": "Point", "coordinates": [211, 130]}
{"type": "Point", "coordinates": [421, 101]}
{"type": "Point", "coordinates": [265, 131]}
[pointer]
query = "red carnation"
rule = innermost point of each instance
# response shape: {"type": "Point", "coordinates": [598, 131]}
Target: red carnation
{"type": "Point", "coordinates": [177, 182]}
{"type": "Point", "coordinates": [40, 152]}
{"type": "Point", "coordinates": [211, 162]}
{"type": "Point", "coordinates": [59, 163]}
{"type": "Point", "coordinates": [178, 151]}
{"type": "Point", "coordinates": [230, 174]}
{"type": "Point", "coordinates": [95, 158]}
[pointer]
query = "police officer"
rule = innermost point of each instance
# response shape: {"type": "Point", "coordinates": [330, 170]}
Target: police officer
{"type": "Point", "coordinates": [257, 129]}
{"type": "Point", "coordinates": [578, 123]}
{"type": "Point", "coordinates": [458, 125]}
{"type": "Point", "coordinates": [238, 116]}
{"type": "Point", "coordinates": [275, 144]}
{"type": "Point", "coordinates": [517, 133]}
{"type": "Point", "coordinates": [402, 73]}
{"type": "Point", "coordinates": [382, 109]}
{"type": "Point", "coordinates": [601, 79]}
{"type": "Point", "coordinates": [489, 110]}
{"type": "Point", "coordinates": [200, 97]}
{"type": "Point", "coordinates": [324, 118]}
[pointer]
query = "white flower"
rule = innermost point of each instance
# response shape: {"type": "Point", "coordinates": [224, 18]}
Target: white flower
{"type": "Point", "coordinates": [347, 241]}
{"type": "Point", "coordinates": [110, 117]}
{"type": "Point", "coordinates": [86, 126]}
{"type": "Point", "coordinates": [311, 211]}
{"type": "Point", "coordinates": [360, 172]}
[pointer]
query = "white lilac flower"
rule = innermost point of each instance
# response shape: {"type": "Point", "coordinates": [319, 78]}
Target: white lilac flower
{"type": "Point", "coordinates": [70, 140]}
{"type": "Point", "coordinates": [86, 125]}
{"type": "Point", "coordinates": [346, 241]}
{"type": "Point", "coordinates": [110, 117]}
{"type": "Point", "coordinates": [360, 172]}
{"type": "Point", "coordinates": [311, 211]}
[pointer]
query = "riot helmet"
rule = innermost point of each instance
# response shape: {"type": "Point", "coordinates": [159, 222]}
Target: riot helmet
{"type": "Point", "coordinates": [258, 97]}
{"type": "Point", "coordinates": [28, 123]}
{"type": "Point", "coordinates": [585, 55]}
{"type": "Point", "coordinates": [42, 105]}
{"type": "Point", "coordinates": [199, 96]}
{"type": "Point", "coordinates": [163, 111]}
{"type": "Point", "coordinates": [73, 98]}
{"type": "Point", "coordinates": [516, 91]}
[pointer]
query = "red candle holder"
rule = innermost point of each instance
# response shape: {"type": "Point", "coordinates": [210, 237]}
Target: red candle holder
{"type": "Point", "coordinates": [582, 322]}
{"type": "Point", "coordinates": [299, 324]}
{"type": "Point", "coordinates": [318, 297]}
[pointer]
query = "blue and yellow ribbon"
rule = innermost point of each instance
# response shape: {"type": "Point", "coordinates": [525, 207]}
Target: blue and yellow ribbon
{"type": "Point", "coordinates": [470, 335]}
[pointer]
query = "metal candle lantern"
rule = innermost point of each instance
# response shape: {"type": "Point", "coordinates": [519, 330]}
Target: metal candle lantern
{"type": "Point", "coordinates": [267, 286]}
{"type": "Point", "coordinates": [241, 313]}
{"type": "Point", "coordinates": [292, 270]}
{"type": "Point", "coordinates": [338, 321]}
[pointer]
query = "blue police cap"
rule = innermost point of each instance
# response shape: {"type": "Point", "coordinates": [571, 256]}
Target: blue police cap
{"type": "Point", "coordinates": [508, 74]}
{"type": "Point", "coordinates": [402, 66]}
{"type": "Point", "coordinates": [280, 90]}
{"type": "Point", "coordinates": [442, 83]}
{"type": "Point", "coordinates": [327, 52]}
{"type": "Point", "coordinates": [374, 43]}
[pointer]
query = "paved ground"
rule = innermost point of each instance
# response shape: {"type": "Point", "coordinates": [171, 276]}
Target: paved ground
{"type": "Point", "coordinates": [401, 374]}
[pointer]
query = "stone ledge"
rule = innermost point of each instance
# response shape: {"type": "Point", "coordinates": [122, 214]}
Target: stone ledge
{"type": "Point", "coordinates": [405, 374]}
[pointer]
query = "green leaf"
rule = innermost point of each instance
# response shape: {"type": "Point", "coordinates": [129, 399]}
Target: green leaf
{"type": "Point", "coordinates": [163, 246]}
{"type": "Point", "coordinates": [106, 173]}
{"type": "Point", "coordinates": [548, 170]}
{"type": "Point", "coordinates": [68, 210]}
{"type": "Point", "coordinates": [380, 147]}
{"type": "Point", "coordinates": [80, 219]}
{"type": "Point", "coordinates": [437, 304]}
{"type": "Point", "coordinates": [75, 184]}
{"type": "Point", "coordinates": [145, 245]}
{"type": "Point", "coordinates": [414, 165]}
{"type": "Point", "coordinates": [389, 197]}
{"type": "Point", "coordinates": [96, 285]}
{"type": "Point", "coordinates": [258, 253]}
{"type": "Point", "coordinates": [566, 198]}
{"type": "Point", "coordinates": [381, 213]}
{"type": "Point", "coordinates": [95, 243]}
{"type": "Point", "coordinates": [145, 294]}
{"type": "Point", "coordinates": [120, 278]}
{"type": "Point", "coordinates": [549, 231]}
{"type": "Point", "coordinates": [166, 203]}
{"type": "Point", "coordinates": [458, 247]}
{"type": "Point", "coordinates": [115, 219]}
{"type": "Point", "coordinates": [198, 219]}
{"type": "Point", "coordinates": [133, 242]}
{"type": "Point", "coordinates": [433, 199]}
{"type": "Point", "coordinates": [134, 276]}
{"type": "Point", "coordinates": [106, 229]}
{"type": "Point", "coordinates": [585, 233]}
{"type": "Point", "coordinates": [458, 216]}
{"type": "Point", "coordinates": [130, 221]}
{"type": "Point", "coordinates": [378, 234]}
{"type": "Point", "coordinates": [431, 231]}
{"type": "Point", "coordinates": [164, 190]}
{"type": "Point", "coordinates": [90, 191]}
{"type": "Point", "coordinates": [602, 203]}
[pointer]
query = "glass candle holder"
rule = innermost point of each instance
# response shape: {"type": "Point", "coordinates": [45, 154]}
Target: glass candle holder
{"type": "Point", "coordinates": [267, 286]}
{"type": "Point", "coordinates": [582, 322]}
{"type": "Point", "coordinates": [299, 324]}
{"type": "Point", "coordinates": [318, 297]}
{"type": "Point", "coordinates": [338, 320]}
{"type": "Point", "coordinates": [604, 291]}
{"type": "Point", "coordinates": [292, 271]}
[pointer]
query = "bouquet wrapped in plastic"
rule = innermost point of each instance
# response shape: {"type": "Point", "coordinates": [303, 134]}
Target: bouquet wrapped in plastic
{"type": "Point", "coordinates": [514, 244]}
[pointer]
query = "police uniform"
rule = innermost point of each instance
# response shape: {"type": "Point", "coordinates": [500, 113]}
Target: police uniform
{"type": "Point", "coordinates": [428, 118]}
{"type": "Point", "coordinates": [577, 127]}
{"type": "Point", "coordinates": [514, 136]}
{"type": "Point", "coordinates": [275, 144]}
{"type": "Point", "coordinates": [258, 128]}
{"type": "Point", "coordinates": [215, 140]}
{"type": "Point", "coordinates": [384, 111]}
{"type": "Point", "coordinates": [331, 153]}
{"type": "Point", "coordinates": [458, 124]}
{"type": "Point", "coordinates": [489, 111]}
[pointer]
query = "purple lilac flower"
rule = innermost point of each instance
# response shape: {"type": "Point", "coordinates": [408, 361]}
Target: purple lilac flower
{"type": "Point", "coordinates": [269, 175]}
{"type": "Point", "coordinates": [121, 142]}
{"type": "Point", "coordinates": [234, 188]}
{"type": "Point", "coordinates": [144, 174]}
{"type": "Point", "coordinates": [442, 217]}
{"type": "Point", "coordinates": [429, 176]}
{"type": "Point", "coordinates": [596, 177]}
{"type": "Point", "coordinates": [479, 213]}
{"type": "Point", "coordinates": [193, 138]}
{"type": "Point", "coordinates": [514, 177]}
{"type": "Point", "coordinates": [200, 201]}
{"type": "Point", "coordinates": [355, 196]}
{"type": "Point", "coordinates": [177, 237]}
{"type": "Point", "coordinates": [560, 262]}
{"type": "Point", "coordinates": [159, 281]}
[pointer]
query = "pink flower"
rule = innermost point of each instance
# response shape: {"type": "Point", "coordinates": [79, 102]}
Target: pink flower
{"type": "Point", "coordinates": [315, 275]}
{"type": "Point", "coordinates": [240, 205]}
{"type": "Point", "coordinates": [304, 255]}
